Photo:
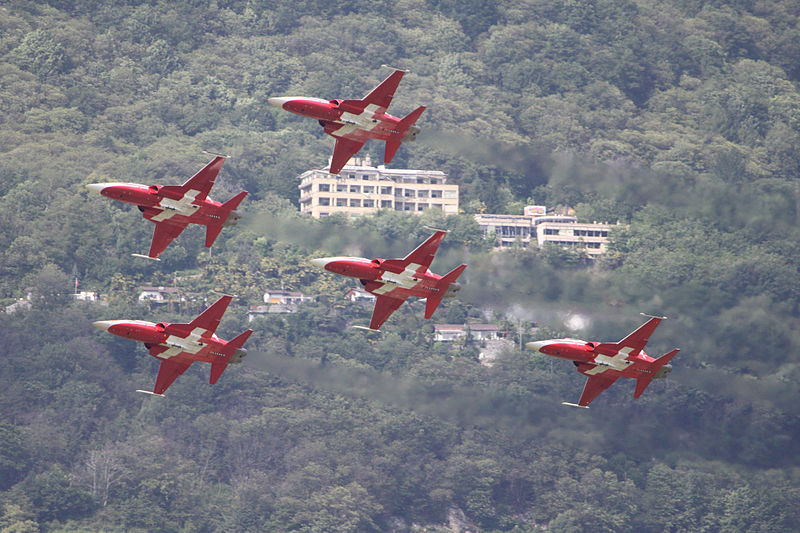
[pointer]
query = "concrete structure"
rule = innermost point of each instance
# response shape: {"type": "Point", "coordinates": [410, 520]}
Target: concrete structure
{"type": "Point", "coordinates": [592, 238]}
{"type": "Point", "coordinates": [454, 332]}
{"type": "Point", "coordinates": [86, 296]}
{"type": "Point", "coordinates": [20, 305]}
{"type": "Point", "coordinates": [361, 188]}
{"type": "Point", "coordinates": [255, 311]}
{"type": "Point", "coordinates": [564, 230]}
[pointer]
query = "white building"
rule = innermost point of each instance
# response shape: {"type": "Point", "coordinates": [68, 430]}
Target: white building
{"type": "Point", "coordinates": [563, 230]}
{"type": "Point", "coordinates": [454, 332]}
{"type": "Point", "coordinates": [160, 294]}
{"type": "Point", "coordinates": [361, 188]}
{"type": "Point", "coordinates": [359, 295]}
{"type": "Point", "coordinates": [284, 297]}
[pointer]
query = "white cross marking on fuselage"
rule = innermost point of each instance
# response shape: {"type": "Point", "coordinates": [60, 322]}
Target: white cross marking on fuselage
{"type": "Point", "coordinates": [363, 121]}
{"type": "Point", "coordinates": [407, 279]}
{"type": "Point", "coordinates": [190, 344]}
{"type": "Point", "coordinates": [184, 206]}
{"type": "Point", "coordinates": [604, 362]}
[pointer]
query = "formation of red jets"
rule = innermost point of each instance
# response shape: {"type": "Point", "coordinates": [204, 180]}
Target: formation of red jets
{"type": "Point", "coordinates": [352, 122]}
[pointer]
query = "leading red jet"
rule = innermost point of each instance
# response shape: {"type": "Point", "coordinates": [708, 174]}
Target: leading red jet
{"type": "Point", "coordinates": [394, 280]}
{"type": "Point", "coordinates": [180, 345]}
{"type": "Point", "coordinates": [173, 207]}
{"type": "Point", "coordinates": [353, 122]}
{"type": "Point", "coordinates": [603, 363]}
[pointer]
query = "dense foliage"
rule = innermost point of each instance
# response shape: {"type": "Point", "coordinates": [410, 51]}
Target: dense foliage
{"type": "Point", "coordinates": [680, 119]}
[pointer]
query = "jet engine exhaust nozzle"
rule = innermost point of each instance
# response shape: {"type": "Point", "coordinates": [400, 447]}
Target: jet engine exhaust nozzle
{"type": "Point", "coordinates": [411, 134]}
{"type": "Point", "coordinates": [233, 218]}
{"type": "Point", "coordinates": [452, 290]}
{"type": "Point", "coordinates": [663, 371]}
{"type": "Point", "coordinates": [238, 355]}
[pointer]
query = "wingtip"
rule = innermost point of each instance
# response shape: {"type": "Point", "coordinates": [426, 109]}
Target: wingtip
{"type": "Point", "coordinates": [365, 328]}
{"type": "Point", "coordinates": [434, 229]}
{"type": "Point", "coordinates": [653, 316]}
{"type": "Point", "coordinates": [395, 68]}
{"type": "Point", "coordinates": [575, 405]}
{"type": "Point", "coordinates": [216, 154]}
{"type": "Point", "coordinates": [151, 393]}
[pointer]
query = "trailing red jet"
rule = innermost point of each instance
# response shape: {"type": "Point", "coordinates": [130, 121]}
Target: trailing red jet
{"type": "Point", "coordinates": [173, 207]}
{"type": "Point", "coordinates": [353, 122]}
{"type": "Point", "coordinates": [394, 280]}
{"type": "Point", "coordinates": [180, 345]}
{"type": "Point", "coordinates": [604, 363]}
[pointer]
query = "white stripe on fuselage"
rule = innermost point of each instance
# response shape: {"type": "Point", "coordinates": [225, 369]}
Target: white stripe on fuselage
{"type": "Point", "coordinates": [604, 362]}
{"type": "Point", "coordinates": [184, 206]}
{"type": "Point", "coordinates": [192, 343]}
{"type": "Point", "coordinates": [407, 279]}
{"type": "Point", "coordinates": [363, 121]}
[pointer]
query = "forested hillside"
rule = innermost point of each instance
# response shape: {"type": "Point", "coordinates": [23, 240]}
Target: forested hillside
{"type": "Point", "coordinates": [680, 119]}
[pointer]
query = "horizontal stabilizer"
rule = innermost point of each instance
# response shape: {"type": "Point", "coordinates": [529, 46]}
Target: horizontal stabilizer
{"type": "Point", "coordinates": [240, 339]}
{"type": "Point", "coordinates": [392, 145]}
{"type": "Point", "coordinates": [212, 232]}
{"type": "Point", "coordinates": [217, 368]}
{"type": "Point", "coordinates": [234, 202]}
{"type": "Point", "coordinates": [575, 405]}
{"type": "Point", "coordinates": [641, 385]}
{"type": "Point", "coordinates": [410, 119]}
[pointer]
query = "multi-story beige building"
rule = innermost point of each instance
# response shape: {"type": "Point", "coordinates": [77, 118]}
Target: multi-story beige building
{"type": "Point", "coordinates": [562, 230]}
{"type": "Point", "coordinates": [361, 188]}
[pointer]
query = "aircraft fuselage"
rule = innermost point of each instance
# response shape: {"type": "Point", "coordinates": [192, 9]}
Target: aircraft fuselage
{"type": "Point", "coordinates": [380, 280]}
{"type": "Point", "coordinates": [193, 345]}
{"type": "Point", "coordinates": [340, 120]}
{"type": "Point", "coordinates": [158, 203]}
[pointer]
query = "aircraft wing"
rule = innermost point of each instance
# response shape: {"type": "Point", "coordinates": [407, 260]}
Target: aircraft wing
{"type": "Point", "coordinates": [168, 372]}
{"type": "Point", "coordinates": [424, 253]}
{"type": "Point", "coordinates": [204, 179]}
{"type": "Point", "coordinates": [384, 307]}
{"type": "Point", "coordinates": [594, 386]}
{"type": "Point", "coordinates": [381, 96]}
{"type": "Point", "coordinates": [637, 340]}
{"type": "Point", "coordinates": [210, 318]}
{"type": "Point", "coordinates": [345, 149]}
{"type": "Point", "coordinates": [164, 234]}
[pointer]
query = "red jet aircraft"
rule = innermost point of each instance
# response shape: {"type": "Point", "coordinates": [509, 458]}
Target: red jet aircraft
{"type": "Point", "coordinates": [353, 122]}
{"type": "Point", "coordinates": [604, 363]}
{"type": "Point", "coordinates": [173, 207]}
{"type": "Point", "coordinates": [179, 345]}
{"type": "Point", "coordinates": [394, 280]}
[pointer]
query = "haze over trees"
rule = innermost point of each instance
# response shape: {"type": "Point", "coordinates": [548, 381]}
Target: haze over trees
{"type": "Point", "coordinates": [680, 119]}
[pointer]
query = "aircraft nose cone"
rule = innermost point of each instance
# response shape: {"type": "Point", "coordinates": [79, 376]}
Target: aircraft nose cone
{"type": "Point", "coordinates": [278, 101]}
{"type": "Point", "coordinates": [97, 187]}
{"type": "Point", "coordinates": [536, 345]}
{"type": "Point", "coordinates": [104, 324]}
{"type": "Point", "coordinates": [321, 262]}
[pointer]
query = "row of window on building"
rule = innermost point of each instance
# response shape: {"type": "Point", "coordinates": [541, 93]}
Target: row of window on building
{"type": "Point", "coordinates": [415, 191]}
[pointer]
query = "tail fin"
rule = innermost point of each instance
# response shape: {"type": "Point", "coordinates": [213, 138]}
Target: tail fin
{"type": "Point", "coordinates": [659, 369]}
{"type": "Point", "coordinates": [218, 367]}
{"type": "Point", "coordinates": [227, 216]}
{"type": "Point", "coordinates": [442, 287]}
{"type": "Point", "coordinates": [393, 143]}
